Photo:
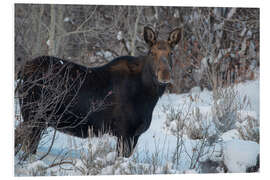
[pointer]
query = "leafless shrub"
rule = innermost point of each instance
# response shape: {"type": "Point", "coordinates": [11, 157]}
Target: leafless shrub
{"type": "Point", "coordinates": [190, 122]}
{"type": "Point", "coordinates": [176, 119]}
{"type": "Point", "coordinates": [203, 129]}
{"type": "Point", "coordinates": [96, 154]}
{"type": "Point", "coordinates": [224, 110]}
{"type": "Point", "coordinates": [227, 102]}
{"type": "Point", "coordinates": [249, 129]}
{"type": "Point", "coordinates": [49, 90]}
{"type": "Point", "coordinates": [200, 129]}
{"type": "Point", "coordinates": [197, 125]}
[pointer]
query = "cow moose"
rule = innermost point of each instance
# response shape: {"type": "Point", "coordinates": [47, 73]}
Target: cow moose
{"type": "Point", "coordinates": [118, 97]}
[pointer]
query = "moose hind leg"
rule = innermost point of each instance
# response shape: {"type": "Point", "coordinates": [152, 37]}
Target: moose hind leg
{"type": "Point", "coordinates": [27, 138]}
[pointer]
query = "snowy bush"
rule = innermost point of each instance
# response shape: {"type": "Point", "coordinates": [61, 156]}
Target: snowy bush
{"type": "Point", "coordinates": [175, 120]}
{"type": "Point", "coordinates": [224, 110]}
{"type": "Point", "coordinates": [232, 156]}
{"type": "Point", "coordinates": [36, 168]}
{"type": "Point", "coordinates": [198, 124]}
{"type": "Point", "coordinates": [248, 126]}
{"type": "Point", "coordinates": [96, 154]}
{"type": "Point", "coordinates": [227, 117]}
{"type": "Point", "coordinates": [175, 124]}
{"type": "Point", "coordinates": [229, 114]}
{"type": "Point", "coordinates": [193, 124]}
{"type": "Point", "coordinates": [227, 102]}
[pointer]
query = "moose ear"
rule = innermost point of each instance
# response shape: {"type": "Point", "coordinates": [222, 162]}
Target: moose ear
{"type": "Point", "coordinates": [149, 36]}
{"type": "Point", "coordinates": [174, 37]}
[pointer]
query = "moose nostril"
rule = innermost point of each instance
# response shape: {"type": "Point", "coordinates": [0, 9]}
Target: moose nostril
{"type": "Point", "coordinates": [164, 77]}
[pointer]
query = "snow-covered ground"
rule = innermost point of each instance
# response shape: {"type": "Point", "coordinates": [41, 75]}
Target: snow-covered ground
{"type": "Point", "coordinates": [156, 148]}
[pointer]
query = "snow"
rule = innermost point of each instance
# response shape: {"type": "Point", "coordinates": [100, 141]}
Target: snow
{"type": "Point", "coordinates": [252, 91]}
{"type": "Point", "coordinates": [239, 155]}
{"type": "Point", "coordinates": [36, 164]}
{"type": "Point", "coordinates": [190, 171]}
{"type": "Point", "coordinates": [120, 35]}
{"type": "Point", "coordinates": [107, 171]}
{"type": "Point", "coordinates": [30, 169]}
{"type": "Point", "coordinates": [243, 114]}
{"type": "Point", "coordinates": [111, 156]}
{"type": "Point", "coordinates": [48, 42]}
{"type": "Point", "coordinates": [195, 89]}
{"type": "Point", "coordinates": [230, 135]}
{"type": "Point", "coordinates": [176, 14]}
{"type": "Point", "coordinates": [159, 143]}
{"type": "Point", "coordinates": [106, 54]}
{"type": "Point", "coordinates": [67, 19]}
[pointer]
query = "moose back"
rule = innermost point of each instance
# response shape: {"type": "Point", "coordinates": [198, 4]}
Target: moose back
{"type": "Point", "coordinates": [118, 97]}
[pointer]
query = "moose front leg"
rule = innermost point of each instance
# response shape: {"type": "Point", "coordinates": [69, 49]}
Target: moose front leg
{"type": "Point", "coordinates": [126, 145]}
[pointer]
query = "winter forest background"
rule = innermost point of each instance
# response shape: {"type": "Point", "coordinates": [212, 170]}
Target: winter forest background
{"type": "Point", "coordinates": [207, 122]}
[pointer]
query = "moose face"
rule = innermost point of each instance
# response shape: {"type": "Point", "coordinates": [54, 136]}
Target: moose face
{"type": "Point", "coordinates": [161, 52]}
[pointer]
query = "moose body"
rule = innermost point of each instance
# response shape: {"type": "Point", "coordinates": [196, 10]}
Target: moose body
{"type": "Point", "coordinates": [118, 97]}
